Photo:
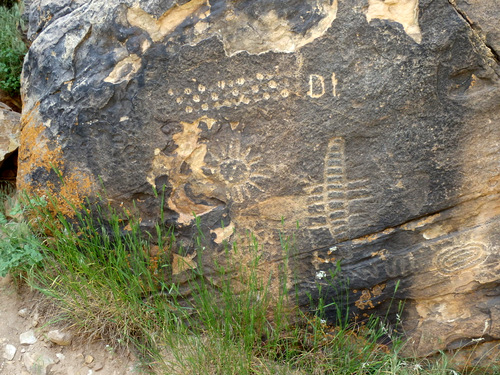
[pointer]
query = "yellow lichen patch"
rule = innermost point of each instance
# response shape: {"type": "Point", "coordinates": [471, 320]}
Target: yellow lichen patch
{"type": "Point", "coordinates": [125, 69]}
{"type": "Point", "coordinates": [37, 151]}
{"type": "Point", "coordinates": [373, 237]}
{"type": "Point", "coordinates": [404, 12]}
{"type": "Point", "coordinates": [365, 301]}
{"type": "Point", "coordinates": [382, 254]}
{"type": "Point", "coordinates": [72, 192]}
{"type": "Point", "coordinates": [159, 259]}
{"type": "Point", "coordinates": [168, 22]}
{"type": "Point", "coordinates": [420, 223]}
{"type": "Point", "coordinates": [181, 264]}
{"type": "Point", "coordinates": [317, 260]}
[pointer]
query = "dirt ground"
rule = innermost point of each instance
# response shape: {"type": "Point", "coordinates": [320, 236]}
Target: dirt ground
{"type": "Point", "coordinates": [27, 347]}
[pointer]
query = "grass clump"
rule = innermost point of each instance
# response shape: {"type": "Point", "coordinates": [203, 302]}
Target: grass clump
{"type": "Point", "coordinates": [12, 49]}
{"type": "Point", "coordinates": [228, 315]}
{"type": "Point", "coordinates": [19, 245]}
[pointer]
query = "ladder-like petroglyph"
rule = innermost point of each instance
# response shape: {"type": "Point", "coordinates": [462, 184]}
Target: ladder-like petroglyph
{"type": "Point", "coordinates": [334, 201]}
{"type": "Point", "coordinates": [327, 201]}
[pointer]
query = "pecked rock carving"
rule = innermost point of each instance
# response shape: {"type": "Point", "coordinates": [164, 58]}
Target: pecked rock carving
{"type": "Point", "coordinates": [372, 124]}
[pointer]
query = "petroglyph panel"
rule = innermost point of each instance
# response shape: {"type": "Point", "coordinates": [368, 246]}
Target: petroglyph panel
{"type": "Point", "coordinates": [250, 111]}
{"type": "Point", "coordinates": [444, 257]}
{"type": "Point", "coordinates": [231, 92]}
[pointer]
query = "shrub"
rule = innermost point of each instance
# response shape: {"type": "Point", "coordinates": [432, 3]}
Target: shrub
{"type": "Point", "coordinates": [8, 3]}
{"type": "Point", "coordinates": [12, 49]}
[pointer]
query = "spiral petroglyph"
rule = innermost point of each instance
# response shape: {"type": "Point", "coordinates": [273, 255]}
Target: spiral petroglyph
{"type": "Point", "coordinates": [450, 260]}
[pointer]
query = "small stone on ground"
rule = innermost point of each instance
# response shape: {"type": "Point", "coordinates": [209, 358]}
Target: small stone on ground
{"type": "Point", "coordinates": [9, 352]}
{"type": "Point", "coordinates": [27, 338]}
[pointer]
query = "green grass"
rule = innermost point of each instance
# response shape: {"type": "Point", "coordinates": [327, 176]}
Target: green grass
{"type": "Point", "coordinates": [19, 247]}
{"type": "Point", "coordinates": [225, 318]}
{"type": "Point", "coordinates": [12, 49]}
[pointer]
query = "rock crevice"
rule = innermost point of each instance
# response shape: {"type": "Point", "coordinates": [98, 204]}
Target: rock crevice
{"type": "Point", "coordinates": [476, 28]}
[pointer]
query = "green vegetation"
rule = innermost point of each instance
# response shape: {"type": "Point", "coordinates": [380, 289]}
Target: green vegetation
{"type": "Point", "coordinates": [12, 49]}
{"type": "Point", "coordinates": [109, 280]}
{"type": "Point", "coordinates": [19, 247]}
{"type": "Point", "coordinates": [8, 3]}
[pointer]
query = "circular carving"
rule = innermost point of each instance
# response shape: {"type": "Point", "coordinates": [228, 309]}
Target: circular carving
{"type": "Point", "coordinates": [454, 259]}
{"type": "Point", "coordinates": [234, 171]}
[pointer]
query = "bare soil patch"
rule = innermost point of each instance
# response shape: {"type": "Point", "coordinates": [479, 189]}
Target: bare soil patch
{"type": "Point", "coordinates": [21, 315]}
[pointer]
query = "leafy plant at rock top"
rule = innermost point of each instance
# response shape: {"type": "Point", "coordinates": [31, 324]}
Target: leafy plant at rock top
{"type": "Point", "coordinates": [12, 49]}
{"type": "Point", "coordinates": [19, 246]}
{"type": "Point", "coordinates": [8, 3]}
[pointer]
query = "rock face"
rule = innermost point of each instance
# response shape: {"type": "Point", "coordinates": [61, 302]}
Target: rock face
{"type": "Point", "coordinates": [373, 124]}
{"type": "Point", "coordinates": [10, 128]}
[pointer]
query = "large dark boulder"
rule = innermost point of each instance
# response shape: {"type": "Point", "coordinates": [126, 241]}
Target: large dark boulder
{"type": "Point", "coordinates": [373, 124]}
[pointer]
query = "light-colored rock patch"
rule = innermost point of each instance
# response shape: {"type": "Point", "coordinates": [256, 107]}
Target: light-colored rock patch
{"type": "Point", "coordinates": [404, 12]}
{"type": "Point", "coordinates": [125, 70]}
{"type": "Point", "coordinates": [10, 127]}
{"type": "Point", "coordinates": [158, 29]}
{"type": "Point", "coordinates": [9, 352]}
{"type": "Point", "coordinates": [28, 338]}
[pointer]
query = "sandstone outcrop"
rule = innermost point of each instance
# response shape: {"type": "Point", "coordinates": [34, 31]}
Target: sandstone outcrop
{"type": "Point", "coordinates": [10, 128]}
{"type": "Point", "coordinates": [373, 124]}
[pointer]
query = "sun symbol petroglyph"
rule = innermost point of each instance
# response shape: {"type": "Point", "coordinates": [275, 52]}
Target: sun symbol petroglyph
{"type": "Point", "coordinates": [245, 176]}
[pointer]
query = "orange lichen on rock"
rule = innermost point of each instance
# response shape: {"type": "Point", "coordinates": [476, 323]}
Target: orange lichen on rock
{"type": "Point", "coordinates": [365, 301]}
{"type": "Point", "coordinates": [38, 151]}
{"type": "Point", "coordinates": [71, 193]}
{"type": "Point", "coordinates": [35, 150]}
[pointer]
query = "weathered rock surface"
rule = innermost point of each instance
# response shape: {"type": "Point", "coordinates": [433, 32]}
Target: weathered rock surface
{"type": "Point", "coordinates": [9, 352]}
{"type": "Point", "coordinates": [59, 337]}
{"type": "Point", "coordinates": [28, 338]}
{"type": "Point", "coordinates": [375, 125]}
{"type": "Point", "coordinates": [12, 102]}
{"type": "Point", "coordinates": [10, 128]}
{"type": "Point", "coordinates": [37, 364]}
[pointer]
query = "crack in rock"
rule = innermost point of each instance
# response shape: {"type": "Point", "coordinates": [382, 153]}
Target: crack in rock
{"type": "Point", "coordinates": [476, 29]}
